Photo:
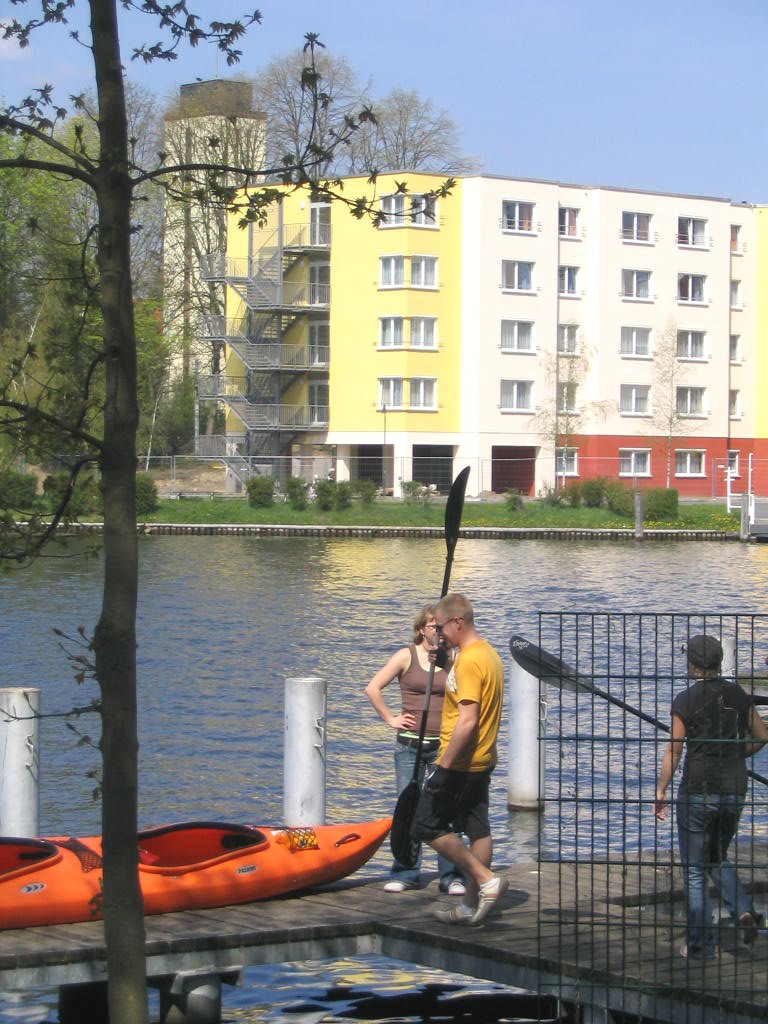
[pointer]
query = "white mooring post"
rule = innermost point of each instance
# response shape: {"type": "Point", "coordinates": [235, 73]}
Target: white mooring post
{"type": "Point", "coordinates": [304, 751]}
{"type": "Point", "coordinates": [527, 753]}
{"type": "Point", "coordinates": [728, 667]}
{"type": "Point", "coordinates": [19, 761]}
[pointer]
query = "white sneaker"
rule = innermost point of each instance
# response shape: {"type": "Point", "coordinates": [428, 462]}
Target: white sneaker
{"type": "Point", "coordinates": [396, 885]}
{"type": "Point", "coordinates": [488, 896]}
{"type": "Point", "coordinates": [456, 888]}
{"type": "Point", "coordinates": [457, 913]}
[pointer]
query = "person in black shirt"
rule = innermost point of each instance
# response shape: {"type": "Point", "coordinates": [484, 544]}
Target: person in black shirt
{"type": "Point", "coordinates": [719, 726]}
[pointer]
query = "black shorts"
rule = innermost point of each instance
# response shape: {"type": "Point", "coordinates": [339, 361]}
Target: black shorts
{"type": "Point", "coordinates": [460, 804]}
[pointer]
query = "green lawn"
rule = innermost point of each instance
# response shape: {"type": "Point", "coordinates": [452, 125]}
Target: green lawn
{"type": "Point", "coordinates": [534, 514]}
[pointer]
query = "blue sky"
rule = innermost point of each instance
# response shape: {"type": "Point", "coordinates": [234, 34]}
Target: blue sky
{"type": "Point", "coordinates": [659, 95]}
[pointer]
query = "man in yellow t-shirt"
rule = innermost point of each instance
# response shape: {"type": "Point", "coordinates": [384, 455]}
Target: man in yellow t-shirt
{"type": "Point", "coordinates": [455, 795]}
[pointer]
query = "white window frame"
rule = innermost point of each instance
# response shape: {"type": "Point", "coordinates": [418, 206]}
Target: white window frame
{"type": "Point", "coordinates": [734, 403]}
{"type": "Point", "coordinates": [318, 401]}
{"type": "Point", "coordinates": [423, 333]}
{"type": "Point", "coordinates": [567, 281]}
{"type": "Point", "coordinates": [390, 393]}
{"type": "Point", "coordinates": [567, 394]}
{"type": "Point", "coordinates": [392, 271]}
{"type": "Point", "coordinates": [687, 344]}
{"type": "Point", "coordinates": [737, 249]}
{"type": "Point", "coordinates": [422, 267]}
{"type": "Point", "coordinates": [636, 227]}
{"type": "Point", "coordinates": [392, 209]}
{"type": "Point", "coordinates": [422, 393]}
{"type": "Point", "coordinates": [636, 285]}
{"type": "Point", "coordinates": [423, 210]}
{"type": "Point", "coordinates": [635, 462]}
{"type": "Point", "coordinates": [517, 336]}
{"type": "Point", "coordinates": [517, 390]}
{"type": "Point", "coordinates": [692, 233]}
{"type": "Point", "coordinates": [635, 342]}
{"type": "Point", "coordinates": [733, 462]}
{"type": "Point", "coordinates": [691, 402]}
{"type": "Point", "coordinates": [735, 295]}
{"type": "Point", "coordinates": [692, 289]}
{"type": "Point", "coordinates": [319, 284]}
{"type": "Point", "coordinates": [734, 349]}
{"type": "Point", "coordinates": [517, 216]}
{"type": "Point", "coordinates": [391, 332]}
{"type": "Point", "coordinates": [566, 462]}
{"type": "Point", "coordinates": [319, 342]}
{"type": "Point", "coordinates": [567, 339]}
{"type": "Point", "coordinates": [690, 462]}
{"type": "Point", "coordinates": [635, 400]}
{"type": "Point", "coordinates": [568, 222]}
{"type": "Point", "coordinates": [512, 268]}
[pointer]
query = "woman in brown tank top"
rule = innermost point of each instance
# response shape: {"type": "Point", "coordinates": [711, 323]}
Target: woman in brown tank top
{"type": "Point", "coordinates": [410, 667]}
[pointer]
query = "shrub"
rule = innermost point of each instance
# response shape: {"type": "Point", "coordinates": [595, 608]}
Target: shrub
{"type": "Point", "coordinates": [343, 494]}
{"type": "Point", "coordinates": [593, 492]}
{"type": "Point", "coordinates": [18, 491]}
{"type": "Point", "coordinates": [367, 491]}
{"type": "Point", "coordinates": [296, 491]}
{"type": "Point", "coordinates": [660, 503]}
{"type": "Point", "coordinates": [146, 495]}
{"type": "Point", "coordinates": [551, 496]}
{"type": "Point", "coordinates": [572, 493]}
{"type": "Point", "coordinates": [619, 498]}
{"type": "Point", "coordinates": [85, 499]}
{"type": "Point", "coordinates": [414, 491]}
{"type": "Point", "coordinates": [261, 491]}
{"type": "Point", "coordinates": [513, 500]}
{"type": "Point", "coordinates": [325, 494]}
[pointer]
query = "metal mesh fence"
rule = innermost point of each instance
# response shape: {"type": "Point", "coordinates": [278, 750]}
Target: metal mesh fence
{"type": "Point", "coordinates": [612, 903]}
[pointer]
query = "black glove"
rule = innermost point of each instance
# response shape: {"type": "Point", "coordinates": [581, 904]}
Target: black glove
{"type": "Point", "coordinates": [436, 779]}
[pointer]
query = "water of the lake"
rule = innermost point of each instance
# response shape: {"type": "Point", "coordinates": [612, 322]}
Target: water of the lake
{"type": "Point", "coordinates": [224, 620]}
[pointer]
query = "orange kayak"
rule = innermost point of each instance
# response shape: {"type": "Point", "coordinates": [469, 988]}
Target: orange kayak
{"type": "Point", "coordinates": [186, 866]}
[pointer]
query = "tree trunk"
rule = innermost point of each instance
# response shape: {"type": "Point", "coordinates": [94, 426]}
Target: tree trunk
{"type": "Point", "coordinates": [115, 635]}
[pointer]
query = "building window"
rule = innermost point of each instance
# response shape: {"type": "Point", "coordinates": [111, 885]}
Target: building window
{"type": "Point", "coordinates": [690, 401]}
{"type": "Point", "coordinates": [736, 294]}
{"type": "Point", "coordinates": [734, 348]}
{"type": "Point", "coordinates": [733, 462]}
{"type": "Point", "coordinates": [318, 399]}
{"type": "Point", "coordinates": [320, 284]}
{"type": "Point", "coordinates": [390, 332]}
{"type": "Point", "coordinates": [516, 336]}
{"type": "Point", "coordinates": [319, 343]}
{"type": "Point", "coordinates": [567, 339]}
{"type": "Point", "coordinates": [636, 284]}
{"type": "Point", "coordinates": [391, 271]}
{"type": "Point", "coordinates": [689, 463]}
{"type": "Point", "coordinates": [567, 461]}
{"type": "Point", "coordinates": [734, 403]}
{"type": "Point", "coordinates": [634, 462]}
{"type": "Point", "coordinates": [690, 287]}
{"type": "Point", "coordinates": [736, 246]}
{"type": "Point", "coordinates": [636, 341]}
{"type": "Point", "coordinates": [568, 222]}
{"type": "Point", "coordinates": [692, 231]}
{"type": "Point", "coordinates": [634, 399]}
{"type": "Point", "coordinates": [423, 210]}
{"type": "Point", "coordinates": [566, 396]}
{"type": "Point", "coordinates": [393, 210]}
{"type": "Point", "coordinates": [390, 392]}
{"type": "Point", "coordinates": [567, 280]}
{"type": "Point", "coordinates": [516, 396]}
{"type": "Point", "coordinates": [424, 271]}
{"type": "Point", "coordinates": [635, 227]}
{"type": "Point", "coordinates": [423, 393]}
{"type": "Point", "coordinates": [690, 345]}
{"type": "Point", "coordinates": [516, 276]}
{"type": "Point", "coordinates": [516, 216]}
{"type": "Point", "coordinates": [423, 332]}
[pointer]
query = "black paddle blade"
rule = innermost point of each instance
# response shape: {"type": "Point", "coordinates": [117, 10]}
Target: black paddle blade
{"type": "Point", "coordinates": [545, 666]}
{"type": "Point", "coordinates": [453, 509]}
{"type": "Point", "coordinates": [404, 849]}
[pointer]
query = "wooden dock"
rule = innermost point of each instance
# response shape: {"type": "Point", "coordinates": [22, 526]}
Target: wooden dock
{"type": "Point", "coordinates": [554, 934]}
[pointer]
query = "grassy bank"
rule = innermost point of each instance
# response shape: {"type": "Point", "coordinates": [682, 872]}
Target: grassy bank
{"type": "Point", "coordinates": [533, 514]}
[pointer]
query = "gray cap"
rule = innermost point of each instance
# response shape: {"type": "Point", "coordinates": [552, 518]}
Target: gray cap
{"type": "Point", "coordinates": [705, 651]}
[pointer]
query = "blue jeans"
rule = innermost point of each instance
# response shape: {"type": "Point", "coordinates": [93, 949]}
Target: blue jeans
{"type": "Point", "coordinates": [706, 824]}
{"type": "Point", "coordinates": [405, 758]}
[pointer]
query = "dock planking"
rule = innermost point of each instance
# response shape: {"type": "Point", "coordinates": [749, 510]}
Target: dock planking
{"type": "Point", "coordinates": [595, 935]}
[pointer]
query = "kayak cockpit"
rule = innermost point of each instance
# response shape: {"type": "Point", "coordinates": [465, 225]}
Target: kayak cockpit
{"type": "Point", "coordinates": [24, 854]}
{"type": "Point", "coordinates": [191, 843]}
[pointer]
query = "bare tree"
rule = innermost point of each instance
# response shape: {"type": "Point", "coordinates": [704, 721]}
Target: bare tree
{"type": "Point", "coordinates": [670, 416]}
{"type": "Point", "coordinates": [113, 179]}
{"type": "Point", "coordinates": [409, 134]}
